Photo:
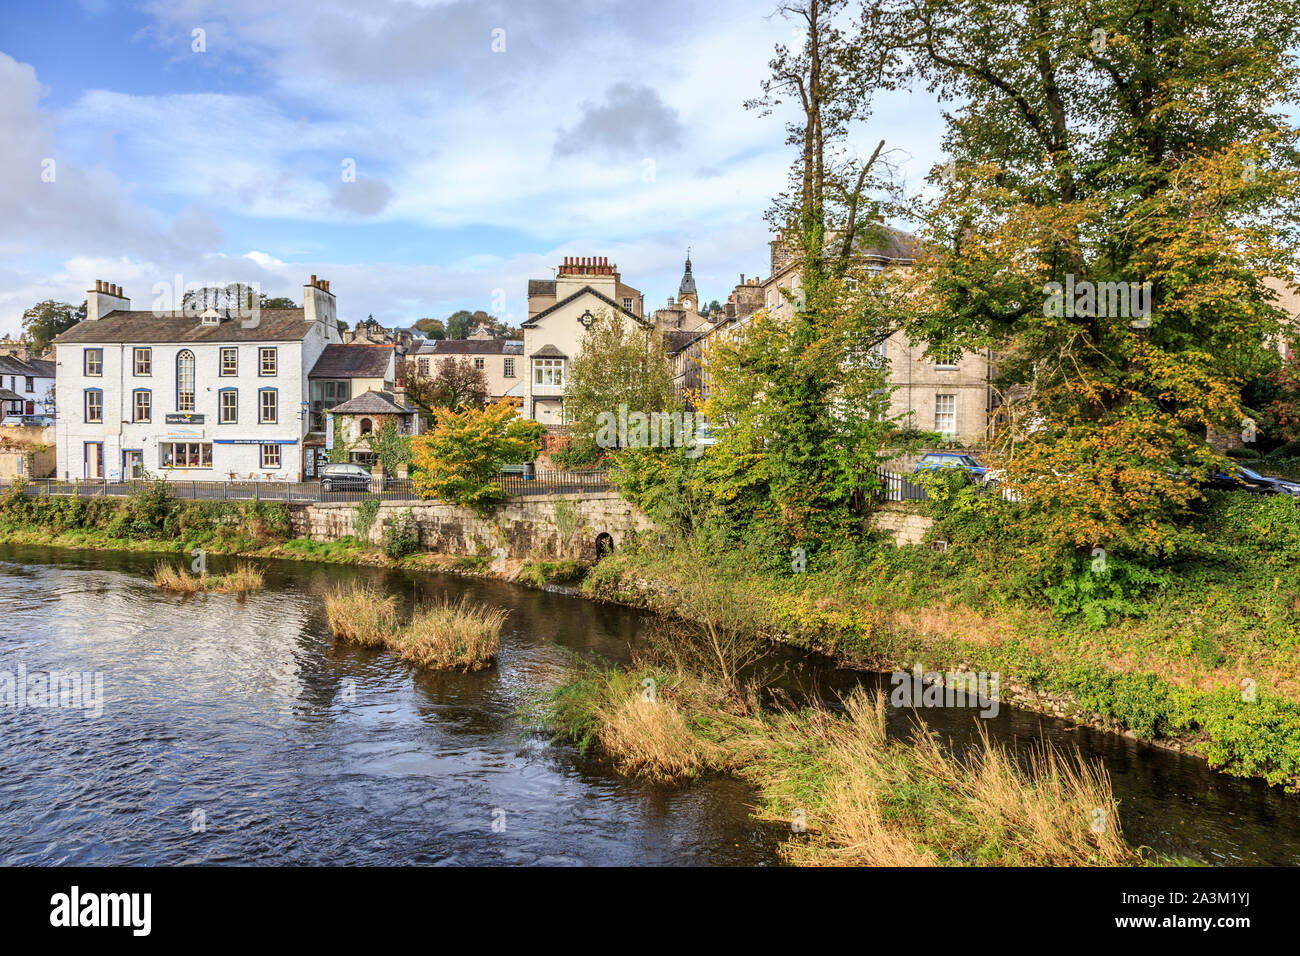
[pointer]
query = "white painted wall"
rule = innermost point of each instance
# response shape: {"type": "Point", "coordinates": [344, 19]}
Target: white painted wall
{"type": "Point", "coordinates": [119, 433]}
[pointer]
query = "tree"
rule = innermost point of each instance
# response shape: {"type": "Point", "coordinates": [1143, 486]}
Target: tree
{"type": "Point", "coordinates": [278, 302]}
{"type": "Point", "coordinates": [802, 405]}
{"type": "Point", "coordinates": [458, 324]}
{"type": "Point", "coordinates": [46, 320]}
{"type": "Point", "coordinates": [456, 384]}
{"type": "Point", "coordinates": [460, 461]}
{"type": "Point", "coordinates": [1122, 183]}
{"type": "Point", "coordinates": [432, 328]}
{"type": "Point", "coordinates": [620, 364]}
{"type": "Point", "coordinates": [1282, 415]}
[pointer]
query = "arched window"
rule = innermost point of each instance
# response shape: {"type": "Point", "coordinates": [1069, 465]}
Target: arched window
{"type": "Point", "coordinates": [185, 381]}
{"type": "Point", "coordinates": [367, 426]}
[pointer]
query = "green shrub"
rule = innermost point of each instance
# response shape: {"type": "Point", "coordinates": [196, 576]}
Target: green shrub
{"type": "Point", "coordinates": [364, 518]}
{"type": "Point", "coordinates": [402, 536]}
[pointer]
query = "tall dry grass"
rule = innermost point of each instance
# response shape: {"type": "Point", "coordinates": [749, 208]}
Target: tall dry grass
{"type": "Point", "coordinates": [170, 578]}
{"type": "Point", "coordinates": [462, 636]}
{"type": "Point", "coordinates": [873, 801]}
{"type": "Point", "coordinates": [244, 578]}
{"type": "Point", "coordinates": [361, 614]}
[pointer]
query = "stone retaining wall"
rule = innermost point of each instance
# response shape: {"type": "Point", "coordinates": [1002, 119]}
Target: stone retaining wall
{"type": "Point", "coordinates": [538, 527]}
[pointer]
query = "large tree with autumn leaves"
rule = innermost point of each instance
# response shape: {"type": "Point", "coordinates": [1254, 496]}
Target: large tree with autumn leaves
{"type": "Point", "coordinates": [1134, 141]}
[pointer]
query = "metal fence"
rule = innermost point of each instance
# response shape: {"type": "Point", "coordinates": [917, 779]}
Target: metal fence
{"type": "Point", "coordinates": [386, 489]}
{"type": "Point", "coordinates": [898, 487]}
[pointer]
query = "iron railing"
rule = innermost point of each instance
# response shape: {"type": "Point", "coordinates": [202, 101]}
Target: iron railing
{"type": "Point", "coordinates": [386, 489]}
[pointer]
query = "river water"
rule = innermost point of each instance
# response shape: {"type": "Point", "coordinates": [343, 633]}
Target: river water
{"type": "Point", "coordinates": [236, 730]}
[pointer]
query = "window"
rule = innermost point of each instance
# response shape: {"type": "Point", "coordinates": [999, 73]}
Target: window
{"type": "Point", "coordinates": [266, 361]}
{"type": "Point", "coordinates": [94, 405]}
{"type": "Point", "coordinates": [230, 361]}
{"type": "Point", "coordinates": [30, 382]}
{"type": "Point", "coordinates": [141, 405]}
{"type": "Point", "coordinates": [268, 405]}
{"type": "Point", "coordinates": [227, 406]}
{"type": "Point", "coordinates": [945, 414]}
{"type": "Point", "coordinates": [627, 304]}
{"type": "Point", "coordinates": [94, 359]}
{"type": "Point", "coordinates": [144, 361]}
{"type": "Point", "coordinates": [270, 456]}
{"type": "Point", "coordinates": [548, 371]}
{"type": "Point", "coordinates": [478, 363]}
{"type": "Point", "coordinates": [185, 381]}
{"type": "Point", "coordinates": [423, 365]}
{"type": "Point", "coordinates": [185, 454]}
{"type": "Point", "coordinates": [367, 426]}
{"type": "Point", "coordinates": [510, 368]}
{"type": "Point", "coordinates": [329, 390]}
{"type": "Point", "coordinates": [950, 358]}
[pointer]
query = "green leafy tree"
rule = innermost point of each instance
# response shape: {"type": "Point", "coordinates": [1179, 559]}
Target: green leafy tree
{"type": "Point", "coordinates": [620, 364]}
{"type": "Point", "coordinates": [1122, 182]}
{"type": "Point", "coordinates": [46, 320]}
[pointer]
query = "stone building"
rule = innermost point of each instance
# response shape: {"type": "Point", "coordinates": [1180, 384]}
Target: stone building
{"type": "Point", "coordinates": [560, 311]}
{"type": "Point", "coordinates": [500, 360]}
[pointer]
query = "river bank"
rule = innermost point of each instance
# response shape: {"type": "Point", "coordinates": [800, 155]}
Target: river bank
{"type": "Point", "coordinates": [1132, 680]}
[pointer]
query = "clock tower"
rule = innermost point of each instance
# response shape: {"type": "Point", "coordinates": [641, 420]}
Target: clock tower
{"type": "Point", "coordinates": [687, 297]}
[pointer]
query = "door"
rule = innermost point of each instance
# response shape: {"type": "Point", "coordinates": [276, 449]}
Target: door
{"type": "Point", "coordinates": [94, 459]}
{"type": "Point", "coordinates": [31, 408]}
{"type": "Point", "coordinates": [133, 464]}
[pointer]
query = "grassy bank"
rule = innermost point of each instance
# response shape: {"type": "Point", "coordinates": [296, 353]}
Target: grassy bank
{"type": "Point", "coordinates": [849, 794]}
{"type": "Point", "coordinates": [439, 636]}
{"type": "Point", "coordinates": [1208, 660]}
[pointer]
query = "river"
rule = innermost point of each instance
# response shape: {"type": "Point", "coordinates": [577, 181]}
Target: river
{"type": "Point", "coordinates": [236, 730]}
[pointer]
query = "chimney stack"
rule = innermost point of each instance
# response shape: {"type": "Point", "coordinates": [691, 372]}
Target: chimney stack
{"type": "Point", "coordinates": [105, 298]}
{"type": "Point", "coordinates": [318, 302]}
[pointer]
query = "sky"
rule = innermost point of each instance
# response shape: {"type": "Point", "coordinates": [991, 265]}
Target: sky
{"type": "Point", "coordinates": [423, 156]}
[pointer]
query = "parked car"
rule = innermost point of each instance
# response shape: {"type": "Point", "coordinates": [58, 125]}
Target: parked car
{"type": "Point", "coordinates": [942, 459]}
{"type": "Point", "coordinates": [29, 421]}
{"type": "Point", "coordinates": [1252, 482]}
{"type": "Point", "coordinates": [344, 478]}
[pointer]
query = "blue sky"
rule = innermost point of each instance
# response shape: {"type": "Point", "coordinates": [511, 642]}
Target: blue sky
{"type": "Point", "coordinates": [489, 138]}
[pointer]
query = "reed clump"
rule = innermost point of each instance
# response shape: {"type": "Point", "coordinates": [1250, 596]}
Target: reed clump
{"type": "Point", "coordinates": [361, 614]}
{"type": "Point", "coordinates": [445, 636]}
{"type": "Point", "coordinates": [243, 579]}
{"type": "Point", "coordinates": [442, 636]}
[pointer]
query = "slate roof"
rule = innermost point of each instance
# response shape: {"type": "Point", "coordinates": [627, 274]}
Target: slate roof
{"type": "Point", "coordinates": [585, 290]}
{"type": "Point", "coordinates": [8, 396]}
{"type": "Point", "coordinates": [371, 403]}
{"type": "Point", "coordinates": [549, 351]}
{"type": "Point", "coordinates": [273, 325]}
{"type": "Point", "coordinates": [37, 368]}
{"type": "Point", "coordinates": [352, 361]}
{"type": "Point", "coordinates": [472, 347]}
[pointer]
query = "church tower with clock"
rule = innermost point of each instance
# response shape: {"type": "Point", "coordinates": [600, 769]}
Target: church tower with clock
{"type": "Point", "coordinates": [687, 297]}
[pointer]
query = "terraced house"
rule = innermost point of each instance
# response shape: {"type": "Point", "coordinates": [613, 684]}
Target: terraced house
{"type": "Point", "coordinates": [188, 395]}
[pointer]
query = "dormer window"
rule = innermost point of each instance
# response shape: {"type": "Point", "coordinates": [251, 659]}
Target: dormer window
{"type": "Point", "coordinates": [210, 317]}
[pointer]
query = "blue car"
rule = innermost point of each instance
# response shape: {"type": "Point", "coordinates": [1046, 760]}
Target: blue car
{"type": "Point", "coordinates": [942, 459]}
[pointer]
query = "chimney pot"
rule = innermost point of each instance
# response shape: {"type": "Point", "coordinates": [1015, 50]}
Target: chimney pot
{"type": "Point", "coordinates": [313, 279]}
